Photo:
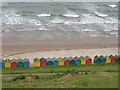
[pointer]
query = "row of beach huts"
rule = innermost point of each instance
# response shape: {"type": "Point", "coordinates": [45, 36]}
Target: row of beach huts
{"type": "Point", "coordinates": [14, 63]}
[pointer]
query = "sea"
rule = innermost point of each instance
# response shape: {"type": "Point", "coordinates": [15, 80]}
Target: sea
{"type": "Point", "coordinates": [59, 20]}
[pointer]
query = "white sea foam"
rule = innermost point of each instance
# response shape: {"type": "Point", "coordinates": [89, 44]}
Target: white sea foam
{"type": "Point", "coordinates": [70, 14]}
{"type": "Point", "coordinates": [100, 14]}
{"type": "Point", "coordinates": [113, 6]}
{"type": "Point", "coordinates": [57, 20]}
{"type": "Point", "coordinates": [44, 15]}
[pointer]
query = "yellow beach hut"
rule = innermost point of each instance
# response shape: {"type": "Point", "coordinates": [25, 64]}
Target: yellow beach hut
{"type": "Point", "coordinates": [108, 60]}
{"type": "Point", "coordinates": [61, 62]}
{"type": "Point", "coordinates": [37, 64]}
{"type": "Point", "coordinates": [83, 61]}
{"type": "Point", "coordinates": [7, 64]}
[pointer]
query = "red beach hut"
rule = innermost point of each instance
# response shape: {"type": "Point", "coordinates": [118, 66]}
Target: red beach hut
{"type": "Point", "coordinates": [67, 62]}
{"type": "Point", "coordinates": [14, 65]}
{"type": "Point", "coordinates": [76, 58]}
{"type": "Point", "coordinates": [113, 60]}
{"type": "Point", "coordinates": [89, 61]}
{"type": "Point", "coordinates": [43, 63]}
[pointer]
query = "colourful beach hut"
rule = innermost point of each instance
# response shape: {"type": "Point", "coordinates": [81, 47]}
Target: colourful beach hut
{"type": "Point", "coordinates": [49, 63]}
{"type": "Point", "coordinates": [95, 59]}
{"type": "Point", "coordinates": [116, 56]}
{"type": "Point", "coordinates": [26, 64]}
{"type": "Point", "coordinates": [7, 64]}
{"type": "Point", "coordinates": [1, 64]}
{"type": "Point", "coordinates": [77, 61]}
{"type": "Point", "coordinates": [36, 59]}
{"type": "Point", "coordinates": [113, 60]}
{"type": "Point", "coordinates": [14, 65]}
{"type": "Point", "coordinates": [55, 63]}
{"type": "Point", "coordinates": [37, 64]}
{"type": "Point", "coordinates": [72, 61]}
{"type": "Point", "coordinates": [86, 57]}
{"type": "Point", "coordinates": [81, 57]}
{"type": "Point", "coordinates": [20, 64]}
{"type": "Point", "coordinates": [61, 62]}
{"type": "Point", "coordinates": [89, 61]}
{"type": "Point", "coordinates": [108, 60]}
{"type": "Point", "coordinates": [43, 63]}
{"type": "Point", "coordinates": [103, 60]}
{"type": "Point", "coordinates": [111, 56]}
{"type": "Point", "coordinates": [67, 62]}
{"type": "Point", "coordinates": [101, 56]}
{"type": "Point", "coordinates": [83, 61]}
{"type": "Point", "coordinates": [76, 58]}
{"type": "Point", "coordinates": [118, 60]}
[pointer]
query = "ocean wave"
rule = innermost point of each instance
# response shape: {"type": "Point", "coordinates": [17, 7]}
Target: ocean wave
{"type": "Point", "coordinates": [113, 6]}
{"type": "Point", "coordinates": [70, 14]}
{"type": "Point", "coordinates": [44, 15]}
{"type": "Point", "coordinates": [100, 14]}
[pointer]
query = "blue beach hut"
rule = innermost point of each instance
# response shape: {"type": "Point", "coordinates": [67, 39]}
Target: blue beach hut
{"type": "Point", "coordinates": [103, 60]}
{"type": "Point", "coordinates": [77, 62]}
{"type": "Point", "coordinates": [26, 64]}
{"type": "Point", "coordinates": [55, 63]}
{"type": "Point", "coordinates": [1, 64]}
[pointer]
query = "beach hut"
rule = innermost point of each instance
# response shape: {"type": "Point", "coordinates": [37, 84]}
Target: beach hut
{"type": "Point", "coordinates": [116, 56]}
{"type": "Point", "coordinates": [118, 60]}
{"type": "Point", "coordinates": [67, 62]}
{"type": "Point", "coordinates": [98, 60]}
{"type": "Point", "coordinates": [37, 64]}
{"type": "Point", "coordinates": [81, 57]}
{"type": "Point", "coordinates": [26, 64]}
{"type": "Point", "coordinates": [86, 57]}
{"type": "Point", "coordinates": [72, 61]}
{"type": "Point", "coordinates": [1, 64]}
{"type": "Point", "coordinates": [89, 61]}
{"type": "Point", "coordinates": [7, 64]}
{"type": "Point", "coordinates": [61, 62]}
{"type": "Point", "coordinates": [95, 59]}
{"type": "Point", "coordinates": [70, 58]}
{"type": "Point", "coordinates": [49, 63]}
{"type": "Point", "coordinates": [55, 63]}
{"type": "Point", "coordinates": [77, 61]}
{"type": "Point", "coordinates": [111, 56]}
{"type": "Point", "coordinates": [43, 63]}
{"type": "Point", "coordinates": [42, 59]}
{"type": "Point", "coordinates": [103, 60]}
{"type": "Point", "coordinates": [20, 64]}
{"type": "Point", "coordinates": [83, 61]}
{"type": "Point", "coordinates": [108, 60]}
{"type": "Point", "coordinates": [113, 60]}
{"type": "Point", "coordinates": [76, 58]}
{"type": "Point", "coordinates": [14, 65]}
{"type": "Point", "coordinates": [36, 59]}
{"type": "Point", "coordinates": [101, 56]}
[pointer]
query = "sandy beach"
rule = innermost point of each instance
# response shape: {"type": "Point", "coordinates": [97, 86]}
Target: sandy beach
{"type": "Point", "coordinates": [61, 48]}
